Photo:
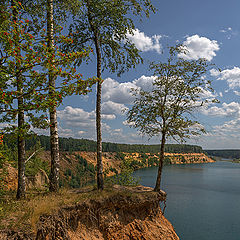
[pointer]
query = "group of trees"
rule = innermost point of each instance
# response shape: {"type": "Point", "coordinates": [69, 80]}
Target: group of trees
{"type": "Point", "coordinates": [31, 63]}
{"type": "Point", "coordinates": [38, 69]}
{"type": "Point", "coordinates": [38, 63]}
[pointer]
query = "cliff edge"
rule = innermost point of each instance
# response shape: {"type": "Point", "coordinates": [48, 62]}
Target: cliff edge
{"type": "Point", "coordinates": [121, 213]}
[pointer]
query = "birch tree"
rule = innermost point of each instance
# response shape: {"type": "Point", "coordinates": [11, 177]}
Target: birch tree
{"type": "Point", "coordinates": [104, 25]}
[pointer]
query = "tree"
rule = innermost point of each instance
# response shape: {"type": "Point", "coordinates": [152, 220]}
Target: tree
{"type": "Point", "coordinates": [105, 25]}
{"type": "Point", "coordinates": [54, 142]}
{"type": "Point", "coordinates": [167, 109]}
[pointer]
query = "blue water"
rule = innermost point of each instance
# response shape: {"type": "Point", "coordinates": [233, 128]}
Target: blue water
{"type": "Point", "coordinates": [203, 200]}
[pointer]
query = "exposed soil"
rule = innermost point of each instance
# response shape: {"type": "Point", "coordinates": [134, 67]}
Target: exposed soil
{"type": "Point", "coordinates": [128, 213]}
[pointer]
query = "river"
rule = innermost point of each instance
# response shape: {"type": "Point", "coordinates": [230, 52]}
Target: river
{"type": "Point", "coordinates": [203, 200]}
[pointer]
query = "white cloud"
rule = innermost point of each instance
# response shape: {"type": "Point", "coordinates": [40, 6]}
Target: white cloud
{"type": "Point", "coordinates": [80, 132]}
{"type": "Point", "coordinates": [65, 132]}
{"type": "Point", "coordinates": [81, 122]}
{"type": "Point", "coordinates": [120, 93]}
{"type": "Point", "coordinates": [4, 125]}
{"type": "Point", "coordinates": [77, 116]}
{"type": "Point", "coordinates": [227, 110]}
{"type": "Point", "coordinates": [232, 76]}
{"type": "Point", "coordinates": [110, 107]}
{"type": "Point", "coordinates": [145, 43]}
{"type": "Point", "coordinates": [145, 82]}
{"type": "Point", "coordinates": [108, 116]}
{"type": "Point", "coordinates": [199, 47]}
{"type": "Point", "coordinates": [117, 92]}
{"type": "Point", "coordinates": [207, 94]}
{"type": "Point", "coordinates": [237, 93]}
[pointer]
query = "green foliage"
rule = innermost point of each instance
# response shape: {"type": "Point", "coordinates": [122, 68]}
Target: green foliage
{"type": "Point", "coordinates": [107, 23]}
{"type": "Point", "coordinates": [4, 159]}
{"type": "Point", "coordinates": [4, 154]}
{"type": "Point", "coordinates": [71, 144]}
{"type": "Point", "coordinates": [167, 160]}
{"type": "Point", "coordinates": [25, 63]}
{"type": "Point", "coordinates": [176, 93]}
{"type": "Point", "coordinates": [120, 155]}
{"type": "Point", "coordinates": [114, 170]}
{"type": "Point", "coordinates": [224, 153]}
{"type": "Point", "coordinates": [34, 165]}
{"type": "Point", "coordinates": [153, 161]}
{"type": "Point", "coordinates": [83, 174]}
{"type": "Point", "coordinates": [125, 178]}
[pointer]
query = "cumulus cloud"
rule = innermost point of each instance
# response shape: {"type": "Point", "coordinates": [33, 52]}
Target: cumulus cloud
{"type": "Point", "coordinates": [199, 47]}
{"type": "Point", "coordinates": [145, 43]}
{"type": "Point", "coordinates": [78, 118]}
{"type": "Point", "coordinates": [207, 94]}
{"type": "Point", "coordinates": [232, 76]}
{"type": "Point", "coordinates": [117, 92]}
{"type": "Point", "coordinates": [144, 82]}
{"type": "Point", "coordinates": [237, 93]}
{"type": "Point", "coordinates": [227, 110]}
{"type": "Point", "coordinates": [110, 107]}
{"type": "Point", "coordinates": [113, 91]}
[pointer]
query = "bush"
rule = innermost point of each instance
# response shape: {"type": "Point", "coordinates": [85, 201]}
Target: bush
{"type": "Point", "coordinates": [125, 178]}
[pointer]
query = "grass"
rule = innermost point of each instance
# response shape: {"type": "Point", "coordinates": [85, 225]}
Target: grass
{"type": "Point", "coordinates": [24, 214]}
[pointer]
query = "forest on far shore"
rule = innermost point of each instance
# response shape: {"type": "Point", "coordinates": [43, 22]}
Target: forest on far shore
{"type": "Point", "coordinates": [224, 153]}
{"type": "Point", "coordinates": [71, 144]}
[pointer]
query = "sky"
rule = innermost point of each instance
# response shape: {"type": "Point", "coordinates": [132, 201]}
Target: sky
{"type": "Point", "coordinates": [209, 29]}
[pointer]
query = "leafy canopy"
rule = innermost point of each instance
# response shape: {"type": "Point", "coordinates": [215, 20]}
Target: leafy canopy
{"type": "Point", "coordinates": [177, 91]}
{"type": "Point", "coordinates": [109, 22]}
{"type": "Point", "coordinates": [25, 60]}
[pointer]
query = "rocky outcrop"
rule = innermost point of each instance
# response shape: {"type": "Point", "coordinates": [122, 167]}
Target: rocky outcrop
{"type": "Point", "coordinates": [124, 213]}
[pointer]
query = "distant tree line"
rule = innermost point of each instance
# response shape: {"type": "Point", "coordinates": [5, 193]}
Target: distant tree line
{"type": "Point", "coordinates": [71, 144]}
{"type": "Point", "coordinates": [226, 153]}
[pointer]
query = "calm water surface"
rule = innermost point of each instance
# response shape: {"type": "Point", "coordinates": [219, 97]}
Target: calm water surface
{"type": "Point", "coordinates": [203, 200]}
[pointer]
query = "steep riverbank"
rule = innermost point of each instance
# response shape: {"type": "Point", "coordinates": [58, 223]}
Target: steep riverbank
{"type": "Point", "coordinates": [116, 213]}
{"type": "Point", "coordinates": [77, 168]}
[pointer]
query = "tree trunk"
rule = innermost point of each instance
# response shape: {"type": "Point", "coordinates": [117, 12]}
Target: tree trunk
{"type": "Point", "coordinates": [54, 143]}
{"type": "Point", "coordinates": [98, 119]}
{"type": "Point", "coordinates": [98, 100]}
{"type": "Point", "coordinates": [21, 189]}
{"type": "Point", "coordinates": [21, 144]}
{"type": "Point", "coordinates": [159, 176]}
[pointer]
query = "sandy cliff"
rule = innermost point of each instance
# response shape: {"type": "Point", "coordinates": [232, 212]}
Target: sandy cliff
{"type": "Point", "coordinates": [125, 213]}
{"type": "Point", "coordinates": [111, 160]}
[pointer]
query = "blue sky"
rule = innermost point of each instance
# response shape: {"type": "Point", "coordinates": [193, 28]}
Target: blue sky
{"type": "Point", "coordinates": [209, 29]}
